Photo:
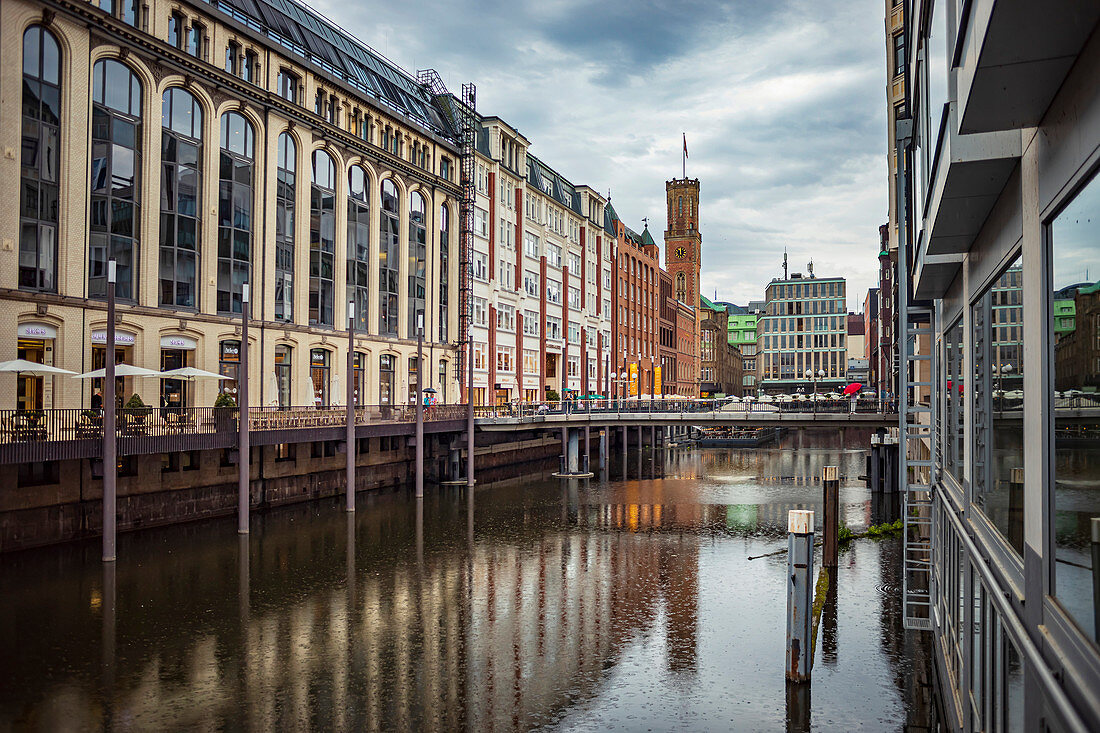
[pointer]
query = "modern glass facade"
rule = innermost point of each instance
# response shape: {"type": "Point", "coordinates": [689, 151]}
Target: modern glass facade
{"type": "Point", "coordinates": [1000, 233]}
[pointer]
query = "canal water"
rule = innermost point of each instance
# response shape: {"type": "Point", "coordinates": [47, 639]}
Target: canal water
{"type": "Point", "coordinates": [542, 604]}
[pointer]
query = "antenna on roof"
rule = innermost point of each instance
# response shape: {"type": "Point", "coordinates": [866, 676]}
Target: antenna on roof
{"type": "Point", "coordinates": [810, 267]}
{"type": "Point", "coordinates": [784, 263]}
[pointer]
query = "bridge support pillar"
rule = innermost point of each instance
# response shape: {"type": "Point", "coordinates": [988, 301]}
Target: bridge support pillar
{"type": "Point", "coordinates": [572, 459]}
{"type": "Point", "coordinates": [454, 463]}
{"type": "Point", "coordinates": [587, 447]}
{"type": "Point", "coordinates": [603, 449]}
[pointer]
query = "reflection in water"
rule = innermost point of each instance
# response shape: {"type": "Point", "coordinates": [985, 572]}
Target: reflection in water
{"type": "Point", "coordinates": [563, 604]}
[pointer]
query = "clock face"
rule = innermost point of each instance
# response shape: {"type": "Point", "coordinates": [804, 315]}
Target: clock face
{"type": "Point", "coordinates": [681, 252]}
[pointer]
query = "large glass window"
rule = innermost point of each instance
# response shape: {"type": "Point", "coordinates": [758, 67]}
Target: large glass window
{"type": "Point", "coordinates": [180, 188]}
{"type": "Point", "coordinates": [388, 265]}
{"type": "Point", "coordinates": [385, 379]}
{"type": "Point", "coordinates": [38, 205]}
{"type": "Point", "coordinates": [359, 244]}
{"type": "Point", "coordinates": [998, 442]}
{"type": "Point", "coordinates": [283, 364]}
{"type": "Point", "coordinates": [1075, 258]}
{"type": "Point", "coordinates": [418, 254]}
{"type": "Point", "coordinates": [234, 210]}
{"type": "Point", "coordinates": [954, 453]}
{"type": "Point", "coordinates": [322, 239]}
{"type": "Point", "coordinates": [319, 374]}
{"type": "Point", "coordinates": [444, 270]}
{"type": "Point", "coordinates": [115, 178]}
{"type": "Point", "coordinates": [285, 173]}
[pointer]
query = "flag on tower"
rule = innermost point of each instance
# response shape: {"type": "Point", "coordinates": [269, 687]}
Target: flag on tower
{"type": "Point", "coordinates": [684, 160]}
{"type": "Point", "coordinates": [685, 145]}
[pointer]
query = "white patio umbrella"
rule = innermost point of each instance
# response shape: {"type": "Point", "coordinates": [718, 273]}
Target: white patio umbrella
{"type": "Point", "coordinates": [748, 398]}
{"type": "Point", "coordinates": [22, 366]}
{"type": "Point", "coordinates": [272, 389]}
{"type": "Point", "coordinates": [766, 398]}
{"type": "Point", "coordinates": [121, 370]}
{"type": "Point", "coordinates": [733, 398]}
{"type": "Point", "coordinates": [191, 374]}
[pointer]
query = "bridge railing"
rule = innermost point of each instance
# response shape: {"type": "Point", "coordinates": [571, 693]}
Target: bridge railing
{"type": "Point", "coordinates": [66, 424]}
{"type": "Point", "coordinates": [676, 407]}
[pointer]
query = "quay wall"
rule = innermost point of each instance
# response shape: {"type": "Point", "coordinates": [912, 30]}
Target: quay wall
{"type": "Point", "coordinates": [63, 502]}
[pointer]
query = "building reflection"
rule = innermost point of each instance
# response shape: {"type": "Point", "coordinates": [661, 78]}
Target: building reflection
{"type": "Point", "coordinates": [375, 622]}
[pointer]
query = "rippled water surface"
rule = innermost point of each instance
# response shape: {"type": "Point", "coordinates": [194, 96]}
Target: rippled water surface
{"type": "Point", "coordinates": [617, 604]}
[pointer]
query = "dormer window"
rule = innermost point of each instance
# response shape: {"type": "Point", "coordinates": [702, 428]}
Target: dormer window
{"type": "Point", "coordinates": [288, 86]}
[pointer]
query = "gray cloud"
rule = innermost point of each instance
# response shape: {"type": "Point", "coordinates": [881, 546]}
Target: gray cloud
{"type": "Point", "coordinates": [782, 103]}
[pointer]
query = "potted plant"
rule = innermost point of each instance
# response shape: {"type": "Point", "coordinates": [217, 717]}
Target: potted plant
{"type": "Point", "coordinates": [135, 413]}
{"type": "Point", "coordinates": [91, 423]}
{"type": "Point", "coordinates": [224, 407]}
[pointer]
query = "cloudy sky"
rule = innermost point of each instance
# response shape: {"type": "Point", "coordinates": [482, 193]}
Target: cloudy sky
{"type": "Point", "coordinates": [782, 102]}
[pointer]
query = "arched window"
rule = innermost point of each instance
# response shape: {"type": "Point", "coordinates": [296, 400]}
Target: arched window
{"type": "Point", "coordinates": [322, 239]}
{"type": "Point", "coordinates": [681, 287]}
{"type": "Point", "coordinates": [681, 209]}
{"type": "Point", "coordinates": [388, 267]}
{"type": "Point", "coordinates": [359, 243]}
{"type": "Point", "coordinates": [236, 163]}
{"type": "Point", "coordinates": [115, 178]}
{"type": "Point", "coordinates": [444, 269]}
{"type": "Point", "coordinates": [285, 172]}
{"type": "Point", "coordinates": [418, 256]}
{"type": "Point", "coordinates": [180, 188]}
{"type": "Point", "coordinates": [38, 210]}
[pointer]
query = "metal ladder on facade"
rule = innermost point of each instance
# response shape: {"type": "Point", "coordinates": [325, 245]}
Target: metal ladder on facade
{"type": "Point", "coordinates": [461, 114]}
{"type": "Point", "coordinates": [917, 448]}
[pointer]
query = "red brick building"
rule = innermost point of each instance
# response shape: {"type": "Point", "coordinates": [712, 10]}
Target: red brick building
{"type": "Point", "coordinates": [634, 318]}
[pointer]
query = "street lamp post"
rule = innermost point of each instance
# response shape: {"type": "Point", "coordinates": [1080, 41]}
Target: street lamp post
{"type": "Point", "coordinates": [1002, 371]}
{"type": "Point", "coordinates": [814, 377]}
{"type": "Point", "coordinates": [110, 445]}
{"type": "Point", "coordinates": [349, 436]}
{"type": "Point", "coordinates": [419, 405]}
{"type": "Point", "coordinates": [243, 448]}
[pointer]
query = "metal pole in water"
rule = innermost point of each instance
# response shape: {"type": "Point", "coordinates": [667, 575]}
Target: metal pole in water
{"type": "Point", "coordinates": [110, 439]}
{"type": "Point", "coordinates": [800, 562]}
{"type": "Point", "coordinates": [243, 450]}
{"type": "Point", "coordinates": [349, 438]}
{"type": "Point", "coordinates": [1096, 577]}
{"type": "Point", "coordinates": [831, 488]}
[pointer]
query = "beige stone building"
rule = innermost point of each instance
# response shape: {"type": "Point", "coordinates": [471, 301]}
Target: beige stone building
{"type": "Point", "coordinates": [202, 146]}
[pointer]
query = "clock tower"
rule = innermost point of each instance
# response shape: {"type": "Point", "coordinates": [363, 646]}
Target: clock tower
{"type": "Point", "coordinates": [683, 262]}
{"type": "Point", "coordinates": [683, 242]}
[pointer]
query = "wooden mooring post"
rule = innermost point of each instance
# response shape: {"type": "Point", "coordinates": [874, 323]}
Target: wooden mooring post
{"type": "Point", "coordinates": [830, 484]}
{"type": "Point", "coordinates": [800, 562]}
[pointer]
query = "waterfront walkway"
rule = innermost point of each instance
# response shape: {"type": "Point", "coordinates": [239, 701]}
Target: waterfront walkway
{"type": "Point", "coordinates": [65, 434]}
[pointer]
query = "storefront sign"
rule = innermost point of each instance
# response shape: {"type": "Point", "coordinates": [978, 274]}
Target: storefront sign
{"type": "Point", "coordinates": [184, 343]}
{"type": "Point", "coordinates": [122, 338]}
{"type": "Point", "coordinates": [231, 351]}
{"type": "Point", "coordinates": [37, 331]}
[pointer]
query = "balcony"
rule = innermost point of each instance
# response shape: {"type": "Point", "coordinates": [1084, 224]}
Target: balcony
{"type": "Point", "coordinates": [968, 174]}
{"type": "Point", "coordinates": [1013, 57]}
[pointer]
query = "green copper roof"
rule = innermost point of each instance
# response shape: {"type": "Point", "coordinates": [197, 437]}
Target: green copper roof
{"type": "Point", "coordinates": [646, 238]}
{"type": "Point", "coordinates": [707, 303]}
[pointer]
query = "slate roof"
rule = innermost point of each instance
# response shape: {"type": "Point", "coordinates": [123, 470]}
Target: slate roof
{"type": "Point", "coordinates": [317, 40]}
